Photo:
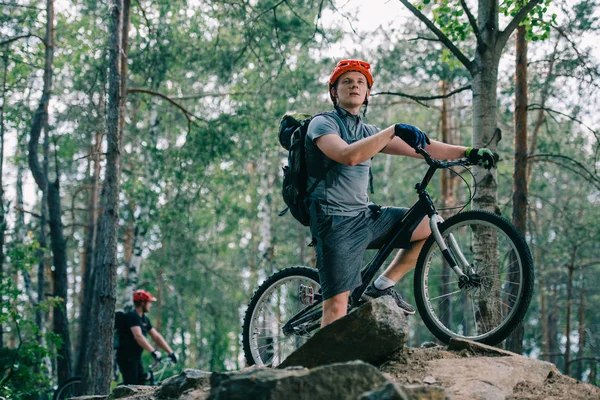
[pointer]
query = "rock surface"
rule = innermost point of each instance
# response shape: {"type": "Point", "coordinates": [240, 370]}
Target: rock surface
{"type": "Point", "coordinates": [189, 379]}
{"type": "Point", "coordinates": [369, 333]}
{"type": "Point", "coordinates": [334, 381]}
{"type": "Point", "coordinates": [462, 371]}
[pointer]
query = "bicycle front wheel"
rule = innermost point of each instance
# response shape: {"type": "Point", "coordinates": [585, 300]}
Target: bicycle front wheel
{"type": "Point", "coordinates": [69, 388]}
{"type": "Point", "coordinates": [490, 304]}
{"type": "Point", "coordinates": [268, 336]}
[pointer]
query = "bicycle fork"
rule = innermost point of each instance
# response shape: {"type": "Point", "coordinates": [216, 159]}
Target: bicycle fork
{"type": "Point", "coordinates": [434, 221]}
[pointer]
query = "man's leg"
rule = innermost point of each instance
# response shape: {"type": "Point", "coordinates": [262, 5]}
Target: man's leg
{"type": "Point", "coordinates": [335, 308]}
{"type": "Point", "coordinates": [406, 259]}
{"type": "Point", "coordinates": [141, 374]}
{"type": "Point", "coordinates": [128, 369]}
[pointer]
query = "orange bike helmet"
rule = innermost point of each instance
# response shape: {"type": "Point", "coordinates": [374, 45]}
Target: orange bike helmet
{"type": "Point", "coordinates": [142, 295]}
{"type": "Point", "coordinates": [350, 65]}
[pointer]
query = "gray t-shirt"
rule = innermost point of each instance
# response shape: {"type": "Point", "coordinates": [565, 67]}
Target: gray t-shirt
{"type": "Point", "coordinates": [344, 190]}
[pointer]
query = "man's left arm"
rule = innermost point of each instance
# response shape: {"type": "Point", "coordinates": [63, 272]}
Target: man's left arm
{"type": "Point", "coordinates": [437, 150]}
{"type": "Point", "coordinates": [160, 341]}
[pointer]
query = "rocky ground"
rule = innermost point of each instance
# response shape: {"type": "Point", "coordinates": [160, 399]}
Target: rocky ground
{"type": "Point", "coordinates": [327, 368]}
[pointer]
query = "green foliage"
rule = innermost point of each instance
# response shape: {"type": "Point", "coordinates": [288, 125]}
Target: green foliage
{"type": "Point", "coordinates": [23, 372]}
{"type": "Point", "coordinates": [537, 22]}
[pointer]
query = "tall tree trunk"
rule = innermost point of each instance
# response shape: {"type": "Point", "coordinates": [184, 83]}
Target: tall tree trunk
{"type": "Point", "coordinates": [539, 120]}
{"type": "Point", "coordinates": [40, 120]}
{"type": "Point", "coordinates": [581, 328]}
{"type": "Point", "coordinates": [571, 271]}
{"type": "Point", "coordinates": [135, 262]}
{"type": "Point", "coordinates": [2, 217]}
{"type": "Point", "coordinates": [448, 199]}
{"type": "Point", "coordinates": [553, 342]}
{"type": "Point", "coordinates": [514, 342]}
{"type": "Point", "coordinates": [106, 267]}
{"type": "Point", "coordinates": [87, 286]}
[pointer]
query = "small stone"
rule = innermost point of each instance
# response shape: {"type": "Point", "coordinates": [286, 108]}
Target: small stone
{"type": "Point", "coordinates": [430, 380]}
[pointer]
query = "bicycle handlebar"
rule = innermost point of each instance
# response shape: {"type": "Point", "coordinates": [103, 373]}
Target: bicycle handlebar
{"type": "Point", "coordinates": [164, 362]}
{"type": "Point", "coordinates": [432, 162]}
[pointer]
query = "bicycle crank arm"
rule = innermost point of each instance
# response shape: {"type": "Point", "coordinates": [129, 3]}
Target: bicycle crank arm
{"type": "Point", "coordinates": [433, 225]}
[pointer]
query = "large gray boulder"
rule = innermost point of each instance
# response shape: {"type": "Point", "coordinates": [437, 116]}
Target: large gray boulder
{"type": "Point", "coordinates": [189, 379]}
{"type": "Point", "coordinates": [370, 333]}
{"type": "Point", "coordinates": [392, 391]}
{"type": "Point", "coordinates": [336, 381]}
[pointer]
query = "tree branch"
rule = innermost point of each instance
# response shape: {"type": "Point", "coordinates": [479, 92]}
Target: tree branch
{"type": "Point", "coordinates": [419, 99]}
{"type": "Point", "coordinates": [512, 25]}
{"type": "Point", "coordinates": [597, 359]}
{"type": "Point", "coordinates": [14, 39]}
{"type": "Point", "coordinates": [443, 38]}
{"type": "Point", "coordinates": [424, 38]}
{"type": "Point", "coordinates": [188, 114]}
{"type": "Point", "coordinates": [20, 6]}
{"type": "Point", "coordinates": [27, 212]}
{"type": "Point", "coordinates": [539, 107]}
{"type": "Point", "coordinates": [586, 174]}
{"type": "Point", "coordinates": [473, 23]}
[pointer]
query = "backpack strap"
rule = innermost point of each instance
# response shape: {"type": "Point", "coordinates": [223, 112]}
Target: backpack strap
{"type": "Point", "coordinates": [344, 131]}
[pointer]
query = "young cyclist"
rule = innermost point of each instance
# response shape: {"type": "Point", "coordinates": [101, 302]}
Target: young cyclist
{"type": "Point", "coordinates": [342, 223]}
{"type": "Point", "coordinates": [132, 340]}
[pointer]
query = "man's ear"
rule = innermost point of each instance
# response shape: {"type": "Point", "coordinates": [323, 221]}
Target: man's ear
{"type": "Point", "coordinates": [333, 92]}
{"type": "Point", "coordinates": [367, 96]}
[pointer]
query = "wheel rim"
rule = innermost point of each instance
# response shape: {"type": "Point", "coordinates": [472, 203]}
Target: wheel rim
{"type": "Point", "coordinates": [480, 311]}
{"type": "Point", "coordinates": [281, 301]}
{"type": "Point", "coordinates": [69, 389]}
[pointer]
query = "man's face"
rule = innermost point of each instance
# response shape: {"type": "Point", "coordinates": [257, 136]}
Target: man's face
{"type": "Point", "coordinates": [147, 305]}
{"type": "Point", "coordinates": [351, 89]}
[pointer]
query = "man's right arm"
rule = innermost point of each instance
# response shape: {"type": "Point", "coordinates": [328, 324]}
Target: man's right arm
{"type": "Point", "coordinates": [334, 147]}
{"type": "Point", "coordinates": [140, 339]}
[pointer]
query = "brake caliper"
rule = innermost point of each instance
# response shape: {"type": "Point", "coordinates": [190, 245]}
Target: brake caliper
{"type": "Point", "coordinates": [307, 295]}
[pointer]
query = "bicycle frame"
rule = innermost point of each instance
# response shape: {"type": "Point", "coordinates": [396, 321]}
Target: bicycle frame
{"type": "Point", "coordinates": [422, 208]}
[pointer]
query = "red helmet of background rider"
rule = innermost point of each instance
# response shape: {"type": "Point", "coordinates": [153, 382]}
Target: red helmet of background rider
{"type": "Point", "coordinates": [142, 295]}
{"type": "Point", "coordinates": [350, 65]}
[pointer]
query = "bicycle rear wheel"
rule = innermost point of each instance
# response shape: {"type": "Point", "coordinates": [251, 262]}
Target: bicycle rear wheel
{"type": "Point", "coordinates": [501, 279]}
{"type": "Point", "coordinates": [282, 296]}
{"type": "Point", "coordinates": [69, 388]}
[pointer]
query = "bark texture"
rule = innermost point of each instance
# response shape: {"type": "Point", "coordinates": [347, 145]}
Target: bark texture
{"type": "Point", "coordinates": [52, 189]}
{"type": "Point", "coordinates": [514, 342]}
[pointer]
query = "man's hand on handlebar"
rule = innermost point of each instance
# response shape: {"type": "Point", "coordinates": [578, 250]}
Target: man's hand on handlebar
{"type": "Point", "coordinates": [484, 157]}
{"type": "Point", "coordinates": [411, 135]}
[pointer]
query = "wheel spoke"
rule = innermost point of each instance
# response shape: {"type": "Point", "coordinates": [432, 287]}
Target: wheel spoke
{"type": "Point", "coordinates": [284, 295]}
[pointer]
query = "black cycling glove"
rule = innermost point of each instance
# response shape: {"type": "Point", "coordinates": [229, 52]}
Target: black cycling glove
{"type": "Point", "coordinates": [411, 135]}
{"type": "Point", "coordinates": [484, 157]}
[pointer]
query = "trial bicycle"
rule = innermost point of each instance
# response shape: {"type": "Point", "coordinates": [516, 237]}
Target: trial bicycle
{"type": "Point", "coordinates": [473, 279]}
{"type": "Point", "coordinates": [72, 387]}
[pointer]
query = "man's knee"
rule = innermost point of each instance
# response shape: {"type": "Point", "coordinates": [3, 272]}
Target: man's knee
{"type": "Point", "coordinates": [422, 231]}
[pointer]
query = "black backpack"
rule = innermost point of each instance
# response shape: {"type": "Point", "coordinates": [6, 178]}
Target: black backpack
{"type": "Point", "coordinates": [292, 134]}
{"type": "Point", "coordinates": [119, 327]}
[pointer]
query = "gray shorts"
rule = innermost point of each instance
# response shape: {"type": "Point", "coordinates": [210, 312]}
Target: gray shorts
{"type": "Point", "coordinates": [341, 242]}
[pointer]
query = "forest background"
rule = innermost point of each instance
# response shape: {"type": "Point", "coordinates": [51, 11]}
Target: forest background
{"type": "Point", "coordinates": [176, 188]}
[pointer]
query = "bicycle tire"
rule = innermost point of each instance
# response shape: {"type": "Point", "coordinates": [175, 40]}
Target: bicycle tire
{"type": "Point", "coordinates": [287, 290]}
{"type": "Point", "coordinates": [62, 392]}
{"type": "Point", "coordinates": [489, 312]}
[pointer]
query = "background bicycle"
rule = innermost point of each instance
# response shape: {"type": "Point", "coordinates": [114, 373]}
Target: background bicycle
{"type": "Point", "coordinates": [155, 375]}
